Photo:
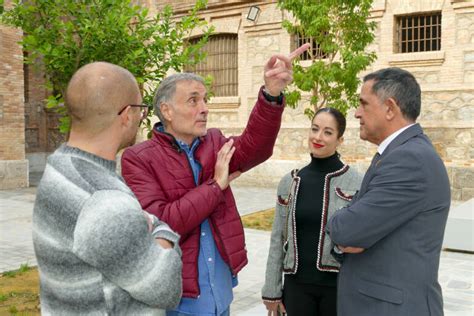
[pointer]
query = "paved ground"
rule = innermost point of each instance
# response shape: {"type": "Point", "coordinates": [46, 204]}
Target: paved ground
{"type": "Point", "coordinates": [15, 228]}
{"type": "Point", "coordinates": [455, 275]}
{"type": "Point", "coordinates": [456, 271]}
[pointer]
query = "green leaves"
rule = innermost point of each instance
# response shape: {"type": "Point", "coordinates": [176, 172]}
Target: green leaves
{"type": "Point", "coordinates": [68, 34]}
{"type": "Point", "coordinates": [343, 32]}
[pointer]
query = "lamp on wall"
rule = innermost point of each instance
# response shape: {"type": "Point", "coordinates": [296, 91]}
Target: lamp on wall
{"type": "Point", "coordinates": [253, 13]}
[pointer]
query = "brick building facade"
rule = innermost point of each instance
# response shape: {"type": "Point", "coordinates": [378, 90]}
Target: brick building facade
{"type": "Point", "coordinates": [445, 72]}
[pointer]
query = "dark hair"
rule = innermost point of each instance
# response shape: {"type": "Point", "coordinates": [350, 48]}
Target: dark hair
{"type": "Point", "coordinates": [400, 85]}
{"type": "Point", "coordinates": [338, 116]}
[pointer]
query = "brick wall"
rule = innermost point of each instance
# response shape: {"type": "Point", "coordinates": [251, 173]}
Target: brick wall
{"type": "Point", "coordinates": [13, 166]}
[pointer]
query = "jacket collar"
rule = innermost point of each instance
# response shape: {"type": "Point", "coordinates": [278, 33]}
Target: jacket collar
{"type": "Point", "coordinates": [384, 144]}
{"type": "Point", "coordinates": [410, 132]}
{"type": "Point", "coordinates": [164, 138]}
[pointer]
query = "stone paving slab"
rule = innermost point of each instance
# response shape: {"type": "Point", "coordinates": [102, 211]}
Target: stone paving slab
{"type": "Point", "coordinates": [16, 245]}
{"type": "Point", "coordinates": [459, 232]}
{"type": "Point", "coordinates": [251, 199]}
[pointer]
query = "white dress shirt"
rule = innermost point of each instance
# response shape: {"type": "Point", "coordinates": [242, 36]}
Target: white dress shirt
{"type": "Point", "coordinates": [383, 145]}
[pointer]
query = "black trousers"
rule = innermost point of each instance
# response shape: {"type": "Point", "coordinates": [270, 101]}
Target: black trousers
{"type": "Point", "coordinates": [302, 299]}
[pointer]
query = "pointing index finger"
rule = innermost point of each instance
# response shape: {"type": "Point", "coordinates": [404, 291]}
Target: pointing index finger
{"type": "Point", "coordinates": [300, 50]}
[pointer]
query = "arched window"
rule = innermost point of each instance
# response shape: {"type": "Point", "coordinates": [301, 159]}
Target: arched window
{"type": "Point", "coordinates": [221, 63]}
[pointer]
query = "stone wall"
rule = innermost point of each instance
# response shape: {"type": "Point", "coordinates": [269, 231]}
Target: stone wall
{"type": "Point", "coordinates": [13, 165]}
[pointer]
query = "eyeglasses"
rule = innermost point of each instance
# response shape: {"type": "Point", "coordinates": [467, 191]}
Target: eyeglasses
{"type": "Point", "coordinates": [143, 107]}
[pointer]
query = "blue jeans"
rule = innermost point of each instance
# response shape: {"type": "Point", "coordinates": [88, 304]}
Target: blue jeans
{"type": "Point", "coordinates": [173, 313]}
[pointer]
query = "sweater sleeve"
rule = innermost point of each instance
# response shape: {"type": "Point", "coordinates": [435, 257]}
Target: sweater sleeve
{"type": "Point", "coordinates": [162, 230]}
{"type": "Point", "coordinates": [112, 235]}
{"type": "Point", "coordinates": [272, 288]}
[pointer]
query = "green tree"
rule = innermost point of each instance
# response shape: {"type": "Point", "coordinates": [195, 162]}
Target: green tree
{"type": "Point", "coordinates": [67, 34]}
{"type": "Point", "coordinates": [341, 31]}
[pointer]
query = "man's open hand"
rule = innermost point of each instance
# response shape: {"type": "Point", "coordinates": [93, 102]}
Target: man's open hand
{"type": "Point", "coordinates": [221, 170]}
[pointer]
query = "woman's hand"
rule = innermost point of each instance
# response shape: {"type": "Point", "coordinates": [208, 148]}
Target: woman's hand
{"type": "Point", "coordinates": [274, 307]}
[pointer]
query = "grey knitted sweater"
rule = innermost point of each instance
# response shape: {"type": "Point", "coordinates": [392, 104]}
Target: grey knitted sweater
{"type": "Point", "coordinates": [94, 251]}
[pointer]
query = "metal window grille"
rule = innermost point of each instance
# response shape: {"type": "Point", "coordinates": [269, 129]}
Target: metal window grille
{"type": "Point", "coordinates": [419, 33]}
{"type": "Point", "coordinates": [221, 63]}
{"type": "Point", "coordinates": [314, 53]}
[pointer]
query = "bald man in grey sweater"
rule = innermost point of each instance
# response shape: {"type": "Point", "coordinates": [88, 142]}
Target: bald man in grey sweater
{"type": "Point", "coordinates": [98, 252]}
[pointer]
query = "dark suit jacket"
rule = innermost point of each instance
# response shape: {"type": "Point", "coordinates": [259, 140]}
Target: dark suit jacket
{"type": "Point", "coordinates": [398, 216]}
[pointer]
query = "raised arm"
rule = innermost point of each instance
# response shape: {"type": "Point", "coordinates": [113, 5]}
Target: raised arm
{"type": "Point", "coordinates": [255, 145]}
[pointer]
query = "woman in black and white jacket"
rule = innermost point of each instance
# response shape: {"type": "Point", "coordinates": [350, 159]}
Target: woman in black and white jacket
{"type": "Point", "coordinates": [299, 246]}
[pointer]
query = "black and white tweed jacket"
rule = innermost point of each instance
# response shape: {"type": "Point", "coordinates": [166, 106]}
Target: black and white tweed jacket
{"type": "Point", "coordinates": [339, 188]}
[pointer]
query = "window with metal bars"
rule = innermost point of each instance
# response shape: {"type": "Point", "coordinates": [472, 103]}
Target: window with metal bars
{"type": "Point", "coordinates": [418, 33]}
{"type": "Point", "coordinates": [221, 63]}
{"type": "Point", "coordinates": [314, 53]}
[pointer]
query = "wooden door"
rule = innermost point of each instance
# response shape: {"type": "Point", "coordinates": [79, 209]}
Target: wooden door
{"type": "Point", "coordinates": [41, 124]}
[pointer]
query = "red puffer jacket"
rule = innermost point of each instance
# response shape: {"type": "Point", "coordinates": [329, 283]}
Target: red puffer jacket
{"type": "Point", "coordinates": [159, 174]}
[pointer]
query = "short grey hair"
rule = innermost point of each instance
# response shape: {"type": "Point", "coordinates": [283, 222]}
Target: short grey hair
{"type": "Point", "coordinates": [167, 89]}
{"type": "Point", "coordinates": [400, 85]}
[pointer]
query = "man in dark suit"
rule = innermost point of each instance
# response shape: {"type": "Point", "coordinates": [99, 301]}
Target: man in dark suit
{"type": "Point", "coordinates": [391, 234]}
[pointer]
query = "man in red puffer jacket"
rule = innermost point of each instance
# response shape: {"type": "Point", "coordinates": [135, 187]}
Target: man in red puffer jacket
{"type": "Point", "coordinates": [182, 176]}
